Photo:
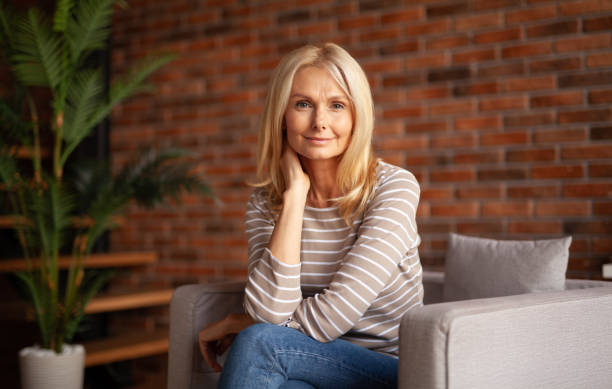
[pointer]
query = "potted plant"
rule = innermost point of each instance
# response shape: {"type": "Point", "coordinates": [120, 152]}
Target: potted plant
{"type": "Point", "coordinates": [57, 99]}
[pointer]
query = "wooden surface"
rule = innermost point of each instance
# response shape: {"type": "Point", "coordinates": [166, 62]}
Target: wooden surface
{"type": "Point", "coordinates": [126, 347]}
{"type": "Point", "coordinates": [119, 259]}
{"type": "Point", "coordinates": [129, 300]}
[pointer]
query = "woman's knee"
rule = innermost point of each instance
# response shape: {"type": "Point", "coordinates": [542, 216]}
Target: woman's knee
{"type": "Point", "coordinates": [257, 336]}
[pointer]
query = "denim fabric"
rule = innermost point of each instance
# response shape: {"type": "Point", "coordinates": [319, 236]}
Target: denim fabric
{"type": "Point", "coordinates": [271, 356]}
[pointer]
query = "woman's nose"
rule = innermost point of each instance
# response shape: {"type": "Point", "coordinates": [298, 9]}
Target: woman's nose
{"type": "Point", "coordinates": [320, 119]}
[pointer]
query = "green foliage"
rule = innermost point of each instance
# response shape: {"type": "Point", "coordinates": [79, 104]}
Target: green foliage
{"type": "Point", "coordinates": [53, 53]}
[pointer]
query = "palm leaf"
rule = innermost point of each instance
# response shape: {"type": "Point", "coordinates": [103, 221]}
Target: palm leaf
{"type": "Point", "coordinates": [38, 52]}
{"type": "Point", "coordinates": [89, 29]}
{"type": "Point", "coordinates": [119, 91]}
{"type": "Point", "coordinates": [84, 96]}
{"type": "Point", "coordinates": [95, 284]}
{"type": "Point", "coordinates": [62, 14]}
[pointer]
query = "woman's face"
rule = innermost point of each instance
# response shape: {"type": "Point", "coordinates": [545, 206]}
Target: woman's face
{"type": "Point", "coordinates": [318, 118]}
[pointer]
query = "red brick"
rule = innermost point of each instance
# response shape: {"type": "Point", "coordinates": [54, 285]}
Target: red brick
{"type": "Point", "coordinates": [478, 55]}
{"type": "Point", "coordinates": [555, 65]}
{"type": "Point", "coordinates": [455, 8]}
{"type": "Point", "coordinates": [586, 115]}
{"type": "Point", "coordinates": [402, 16]}
{"type": "Point", "coordinates": [529, 83]}
{"type": "Point", "coordinates": [405, 143]}
{"type": "Point", "coordinates": [480, 192]}
{"type": "Point", "coordinates": [452, 175]}
{"type": "Point", "coordinates": [584, 6]}
{"type": "Point", "coordinates": [481, 228]}
{"type": "Point", "coordinates": [602, 23]}
{"type": "Point", "coordinates": [478, 88]}
{"type": "Point", "coordinates": [505, 69]}
{"type": "Point", "coordinates": [598, 78]}
{"type": "Point", "coordinates": [557, 171]}
{"type": "Point", "coordinates": [535, 227]}
{"type": "Point", "coordinates": [603, 208]}
{"type": "Point", "coordinates": [505, 35]}
{"type": "Point", "coordinates": [387, 65]}
{"type": "Point", "coordinates": [447, 42]}
{"type": "Point", "coordinates": [594, 189]}
{"type": "Point", "coordinates": [527, 50]}
{"type": "Point", "coordinates": [533, 191]}
{"type": "Point", "coordinates": [586, 152]}
{"type": "Point", "coordinates": [411, 112]}
{"type": "Point", "coordinates": [530, 155]}
{"type": "Point", "coordinates": [354, 22]}
{"type": "Point", "coordinates": [600, 170]}
{"type": "Point", "coordinates": [426, 61]}
{"type": "Point", "coordinates": [448, 74]}
{"type": "Point", "coordinates": [431, 126]}
{"type": "Point", "coordinates": [602, 245]}
{"type": "Point", "coordinates": [506, 208]}
{"type": "Point", "coordinates": [584, 43]}
{"type": "Point", "coordinates": [502, 103]}
{"type": "Point", "coordinates": [560, 136]}
{"type": "Point", "coordinates": [599, 60]}
{"type": "Point", "coordinates": [504, 138]}
{"type": "Point", "coordinates": [445, 193]}
{"type": "Point", "coordinates": [601, 133]}
{"type": "Point", "coordinates": [451, 107]}
{"type": "Point", "coordinates": [388, 127]}
{"type": "Point", "coordinates": [501, 174]}
{"type": "Point", "coordinates": [453, 141]}
{"type": "Point", "coordinates": [400, 48]}
{"type": "Point", "coordinates": [440, 26]}
{"type": "Point", "coordinates": [555, 28]}
{"type": "Point", "coordinates": [600, 96]}
{"type": "Point", "coordinates": [455, 209]}
{"type": "Point", "coordinates": [588, 227]}
{"type": "Point", "coordinates": [563, 208]}
{"type": "Point", "coordinates": [429, 159]}
{"type": "Point", "coordinates": [477, 157]}
{"type": "Point", "coordinates": [477, 21]}
{"type": "Point", "coordinates": [492, 4]}
{"type": "Point", "coordinates": [426, 93]}
{"type": "Point", "coordinates": [380, 34]}
{"type": "Point", "coordinates": [557, 99]}
{"type": "Point", "coordinates": [478, 123]}
{"type": "Point", "coordinates": [402, 79]}
{"type": "Point", "coordinates": [324, 27]}
{"type": "Point", "coordinates": [531, 14]}
{"type": "Point", "coordinates": [530, 119]}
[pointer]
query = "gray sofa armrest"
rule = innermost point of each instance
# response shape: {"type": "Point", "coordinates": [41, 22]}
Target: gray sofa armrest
{"type": "Point", "coordinates": [541, 340]}
{"type": "Point", "coordinates": [191, 308]}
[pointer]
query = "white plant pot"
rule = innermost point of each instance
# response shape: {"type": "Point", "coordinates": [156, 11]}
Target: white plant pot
{"type": "Point", "coordinates": [43, 368]}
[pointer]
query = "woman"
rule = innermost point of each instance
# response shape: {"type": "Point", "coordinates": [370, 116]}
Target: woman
{"type": "Point", "coordinates": [333, 260]}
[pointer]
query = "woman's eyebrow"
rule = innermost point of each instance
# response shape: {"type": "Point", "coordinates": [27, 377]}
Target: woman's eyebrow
{"type": "Point", "coordinates": [299, 95]}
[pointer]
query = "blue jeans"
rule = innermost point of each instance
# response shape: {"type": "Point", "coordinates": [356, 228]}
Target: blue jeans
{"type": "Point", "coordinates": [271, 356]}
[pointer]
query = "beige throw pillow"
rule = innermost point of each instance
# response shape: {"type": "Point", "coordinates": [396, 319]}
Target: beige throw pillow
{"type": "Point", "coordinates": [481, 268]}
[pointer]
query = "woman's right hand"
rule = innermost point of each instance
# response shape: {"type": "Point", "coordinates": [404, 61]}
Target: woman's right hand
{"type": "Point", "coordinates": [297, 181]}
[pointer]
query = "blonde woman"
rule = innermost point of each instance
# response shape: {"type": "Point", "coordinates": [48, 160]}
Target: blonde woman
{"type": "Point", "coordinates": [333, 260]}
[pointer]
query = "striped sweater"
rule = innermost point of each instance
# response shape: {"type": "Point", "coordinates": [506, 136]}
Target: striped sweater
{"type": "Point", "coordinates": [353, 283]}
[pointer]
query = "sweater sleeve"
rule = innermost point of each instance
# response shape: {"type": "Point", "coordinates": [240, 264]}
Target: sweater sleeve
{"type": "Point", "coordinates": [387, 233]}
{"type": "Point", "coordinates": [273, 290]}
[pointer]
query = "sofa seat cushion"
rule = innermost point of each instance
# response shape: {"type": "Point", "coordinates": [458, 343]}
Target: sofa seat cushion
{"type": "Point", "coordinates": [482, 268]}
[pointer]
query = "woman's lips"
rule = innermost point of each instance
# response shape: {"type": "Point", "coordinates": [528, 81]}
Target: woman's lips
{"type": "Point", "coordinates": [318, 140]}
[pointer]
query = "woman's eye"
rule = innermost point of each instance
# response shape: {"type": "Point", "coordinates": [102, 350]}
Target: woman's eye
{"type": "Point", "coordinates": [338, 106]}
{"type": "Point", "coordinates": [302, 104]}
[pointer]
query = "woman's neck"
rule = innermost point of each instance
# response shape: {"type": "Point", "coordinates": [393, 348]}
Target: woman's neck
{"type": "Point", "coordinates": [323, 184]}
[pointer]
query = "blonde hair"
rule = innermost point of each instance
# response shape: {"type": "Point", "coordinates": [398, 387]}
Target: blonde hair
{"type": "Point", "coordinates": [356, 175]}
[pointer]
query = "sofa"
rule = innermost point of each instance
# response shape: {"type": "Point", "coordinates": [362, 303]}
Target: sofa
{"type": "Point", "coordinates": [556, 339]}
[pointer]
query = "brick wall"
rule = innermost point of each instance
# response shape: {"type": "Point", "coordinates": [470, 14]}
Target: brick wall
{"type": "Point", "coordinates": [501, 108]}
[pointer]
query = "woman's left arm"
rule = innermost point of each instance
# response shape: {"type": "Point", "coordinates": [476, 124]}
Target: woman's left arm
{"type": "Point", "coordinates": [387, 234]}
